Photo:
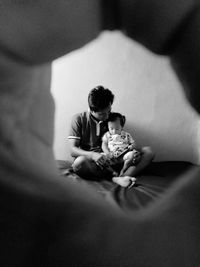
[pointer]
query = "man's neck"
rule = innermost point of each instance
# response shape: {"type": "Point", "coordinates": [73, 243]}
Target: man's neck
{"type": "Point", "coordinates": [94, 118]}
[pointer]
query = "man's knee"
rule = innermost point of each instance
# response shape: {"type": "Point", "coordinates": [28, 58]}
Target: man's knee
{"type": "Point", "coordinates": [85, 168]}
{"type": "Point", "coordinates": [88, 169]}
{"type": "Point", "coordinates": [147, 153]}
{"type": "Point", "coordinates": [80, 164]}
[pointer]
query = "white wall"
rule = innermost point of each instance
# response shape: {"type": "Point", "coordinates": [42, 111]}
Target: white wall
{"type": "Point", "coordinates": [145, 88]}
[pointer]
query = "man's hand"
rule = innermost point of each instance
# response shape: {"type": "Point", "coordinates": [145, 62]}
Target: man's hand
{"type": "Point", "coordinates": [99, 159]}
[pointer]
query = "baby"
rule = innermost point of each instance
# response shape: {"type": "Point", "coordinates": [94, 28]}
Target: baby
{"type": "Point", "coordinates": [119, 145]}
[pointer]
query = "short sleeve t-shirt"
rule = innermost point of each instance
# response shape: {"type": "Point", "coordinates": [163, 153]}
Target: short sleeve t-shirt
{"type": "Point", "coordinates": [88, 130]}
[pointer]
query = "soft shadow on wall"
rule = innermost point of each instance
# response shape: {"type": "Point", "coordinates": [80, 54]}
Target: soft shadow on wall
{"type": "Point", "coordinates": [146, 91]}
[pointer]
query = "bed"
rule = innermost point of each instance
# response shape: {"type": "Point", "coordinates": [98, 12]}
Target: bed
{"type": "Point", "coordinates": [150, 184]}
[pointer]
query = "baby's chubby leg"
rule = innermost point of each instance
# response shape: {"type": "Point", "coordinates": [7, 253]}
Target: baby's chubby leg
{"type": "Point", "coordinates": [128, 159]}
{"type": "Point", "coordinates": [146, 157]}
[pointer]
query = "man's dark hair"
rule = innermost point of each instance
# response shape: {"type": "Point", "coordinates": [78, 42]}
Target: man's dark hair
{"type": "Point", "coordinates": [100, 98]}
{"type": "Point", "coordinates": [115, 115]}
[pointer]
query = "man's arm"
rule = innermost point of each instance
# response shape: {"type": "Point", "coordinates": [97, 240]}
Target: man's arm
{"type": "Point", "coordinates": [76, 151]}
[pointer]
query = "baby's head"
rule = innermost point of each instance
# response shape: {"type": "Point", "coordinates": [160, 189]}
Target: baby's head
{"type": "Point", "coordinates": [116, 123]}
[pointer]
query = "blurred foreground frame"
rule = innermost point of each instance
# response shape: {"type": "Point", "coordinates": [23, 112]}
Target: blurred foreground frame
{"type": "Point", "coordinates": [49, 221]}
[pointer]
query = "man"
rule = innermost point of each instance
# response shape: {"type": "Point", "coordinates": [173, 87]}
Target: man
{"type": "Point", "coordinates": [85, 139]}
{"type": "Point", "coordinates": [86, 132]}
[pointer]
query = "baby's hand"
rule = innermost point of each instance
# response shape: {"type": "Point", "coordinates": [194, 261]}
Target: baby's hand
{"type": "Point", "coordinates": [137, 156]}
{"type": "Point", "coordinates": [131, 147]}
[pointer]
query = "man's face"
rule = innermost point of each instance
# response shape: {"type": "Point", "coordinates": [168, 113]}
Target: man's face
{"type": "Point", "coordinates": [102, 115]}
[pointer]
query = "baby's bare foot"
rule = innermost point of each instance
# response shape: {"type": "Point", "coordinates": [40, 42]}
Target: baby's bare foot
{"type": "Point", "coordinates": [125, 181]}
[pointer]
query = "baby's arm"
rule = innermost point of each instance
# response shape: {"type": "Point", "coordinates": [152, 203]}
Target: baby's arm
{"type": "Point", "coordinates": [131, 142]}
{"type": "Point", "coordinates": [133, 147]}
{"type": "Point", "coordinates": [104, 145]}
{"type": "Point", "coordinates": [106, 150]}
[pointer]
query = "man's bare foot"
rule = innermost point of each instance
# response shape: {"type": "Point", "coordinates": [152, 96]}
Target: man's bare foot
{"type": "Point", "coordinates": [125, 181]}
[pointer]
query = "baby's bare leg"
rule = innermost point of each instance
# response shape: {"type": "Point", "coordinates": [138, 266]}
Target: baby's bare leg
{"type": "Point", "coordinates": [128, 161]}
{"type": "Point", "coordinates": [146, 158]}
